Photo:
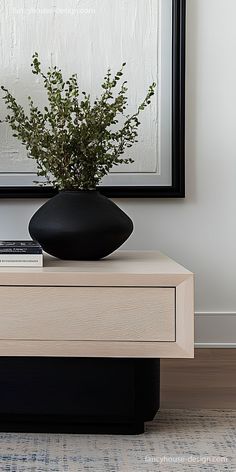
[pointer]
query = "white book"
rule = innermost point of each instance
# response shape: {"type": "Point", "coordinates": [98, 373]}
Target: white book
{"type": "Point", "coordinates": [21, 260]}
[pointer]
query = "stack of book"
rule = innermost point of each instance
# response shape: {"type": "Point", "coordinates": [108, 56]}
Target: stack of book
{"type": "Point", "coordinates": [20, 254]}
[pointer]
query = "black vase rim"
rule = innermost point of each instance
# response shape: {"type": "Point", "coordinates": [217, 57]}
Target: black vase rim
{"type": "Point", "coordinates": [79, 191]}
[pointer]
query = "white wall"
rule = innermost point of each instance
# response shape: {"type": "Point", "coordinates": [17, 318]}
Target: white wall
{"type": "Point", "coordinates": [200, 231]}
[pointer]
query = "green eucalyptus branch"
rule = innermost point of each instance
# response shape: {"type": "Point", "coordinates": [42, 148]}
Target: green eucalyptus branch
{"type": "Point", "coordinates": [75, 142]}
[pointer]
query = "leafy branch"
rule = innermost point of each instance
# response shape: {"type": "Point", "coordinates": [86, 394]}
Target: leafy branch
{"type": "Point", "coordinates": [76, 142]}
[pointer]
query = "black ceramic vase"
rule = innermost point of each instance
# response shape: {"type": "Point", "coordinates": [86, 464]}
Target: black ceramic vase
{"type": "Point", "coordinates": [80, 225]}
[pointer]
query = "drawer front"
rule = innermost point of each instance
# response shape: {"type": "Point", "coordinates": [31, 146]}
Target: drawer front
{"type": "Point", "coordinates": [87, 313]}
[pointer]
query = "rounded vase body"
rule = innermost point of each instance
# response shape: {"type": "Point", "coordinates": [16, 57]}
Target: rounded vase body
{"type": "Point", "coordinates": [80, 225]}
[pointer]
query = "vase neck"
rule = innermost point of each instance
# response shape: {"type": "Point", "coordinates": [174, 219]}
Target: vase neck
{"type": "Point", "coordinates": [80, 191]}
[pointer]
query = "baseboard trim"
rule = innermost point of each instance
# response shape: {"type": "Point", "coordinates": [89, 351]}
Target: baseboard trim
{"type": "Point", "coordinates": [215, 345]}
{"type": "Point", "coordinates": [215, 313]}
{"type": "Point", "coordinates": [215, 329]}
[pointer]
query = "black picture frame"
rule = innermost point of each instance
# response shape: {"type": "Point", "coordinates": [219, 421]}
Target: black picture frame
{"type": "Point", "coordinates": [177, 189]}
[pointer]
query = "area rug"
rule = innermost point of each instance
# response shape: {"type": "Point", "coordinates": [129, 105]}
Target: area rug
{"type": "Point", "coordinates": [177, 440]}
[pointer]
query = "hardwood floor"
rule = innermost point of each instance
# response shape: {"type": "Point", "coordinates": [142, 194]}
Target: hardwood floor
{"type": "Point", "coordinates": [207, 381]}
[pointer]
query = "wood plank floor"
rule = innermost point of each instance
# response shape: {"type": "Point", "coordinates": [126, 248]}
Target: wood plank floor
{"type": "Point", "coordinates": [207, 381]}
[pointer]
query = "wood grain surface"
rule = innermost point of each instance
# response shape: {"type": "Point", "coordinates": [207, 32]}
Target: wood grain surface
{"type": "Point", "coordinates": [207, 381]}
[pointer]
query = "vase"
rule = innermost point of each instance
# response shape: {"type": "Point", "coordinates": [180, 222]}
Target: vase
{"type": "Point", "coordinates": [80, 225]}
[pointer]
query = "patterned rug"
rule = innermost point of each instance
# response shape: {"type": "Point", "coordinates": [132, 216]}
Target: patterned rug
{"type": "Point", "coordinates": [177, 440]}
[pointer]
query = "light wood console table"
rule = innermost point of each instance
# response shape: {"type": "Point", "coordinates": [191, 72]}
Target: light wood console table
{"type": "Point", "coordinates": [80, 342]}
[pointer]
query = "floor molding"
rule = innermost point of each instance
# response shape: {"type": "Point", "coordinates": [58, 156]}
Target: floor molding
{"type": "Point", "coordinates": [215, 329]}
{"type": "Point", "coordinates": [215, 313]}
{"type": "Point", "coordinates": [215, 345]}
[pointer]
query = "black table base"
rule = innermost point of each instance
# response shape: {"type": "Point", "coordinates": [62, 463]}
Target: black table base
{"type": "Point", "coordinates": [78, 395]}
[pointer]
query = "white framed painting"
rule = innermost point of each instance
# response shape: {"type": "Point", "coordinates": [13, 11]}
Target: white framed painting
{"type": "Point", "coordinates": [86, 37]}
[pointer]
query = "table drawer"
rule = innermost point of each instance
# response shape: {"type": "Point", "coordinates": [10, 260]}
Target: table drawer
{"type": "Point", "coordinates": [87, 313]}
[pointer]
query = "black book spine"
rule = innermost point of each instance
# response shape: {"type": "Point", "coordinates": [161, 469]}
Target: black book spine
{"type": "Point", "coordinates": [20, 251]}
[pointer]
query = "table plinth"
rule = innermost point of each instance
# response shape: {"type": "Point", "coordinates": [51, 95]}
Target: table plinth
{"type": "Point", "coordinates": [78, 395]}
